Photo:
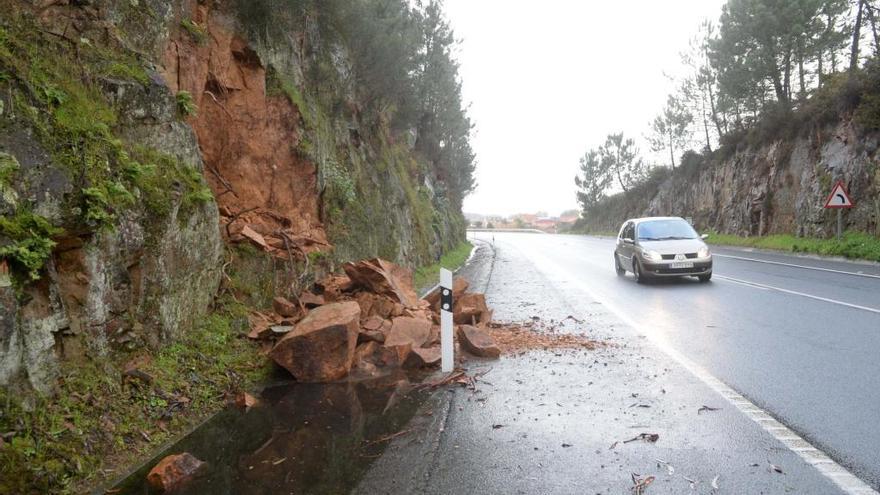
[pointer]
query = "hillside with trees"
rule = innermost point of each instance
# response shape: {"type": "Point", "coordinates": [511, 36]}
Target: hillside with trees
{"type": "Point", "coordinates": [781, 98]}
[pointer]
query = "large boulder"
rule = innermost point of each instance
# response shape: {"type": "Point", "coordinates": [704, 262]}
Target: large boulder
{"type": "Point", "coordinates": [173, 471]}
{"type": "Point", "coordinates": [406, 330]}
{"type": "Point", "coordinates": [477, 342]}
{"type": "Point", "coordinates": [385, 278]}
{"type": "Point", "coordinates": [321, 346]}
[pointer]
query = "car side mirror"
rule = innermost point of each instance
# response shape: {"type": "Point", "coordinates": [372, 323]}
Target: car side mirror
{"type": "Point", "coordinates": [627, 240]}
{"type": "Point", "coordinates": [704, 236]}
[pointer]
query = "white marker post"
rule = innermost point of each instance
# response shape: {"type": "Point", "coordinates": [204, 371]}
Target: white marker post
{"type": "Point", "coordinates": [446, 354]}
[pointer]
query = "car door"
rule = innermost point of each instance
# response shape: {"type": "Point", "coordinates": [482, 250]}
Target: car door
{"type": "Point", "coordinates": [625, 245]}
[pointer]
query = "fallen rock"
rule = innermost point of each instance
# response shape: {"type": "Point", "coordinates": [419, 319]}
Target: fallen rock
{"type": "Point", "coordinates": [332, 287]}
{"type": "Point", "coordinates": [459, 287]}
{"type": "Point", "coordinates": [375, 354]}
{"type": "Point", "coordinates": [385, 278]}
{"type": "Point", "coordinates": [310, 300]}
{"type": "Point", "coordinates": [245, 400]}
{"type": "Point", "coordinates": [321, 346]}
{"type": "Point", "coordinates": [407, 330]}
{"type": "Point", "coordinates": [372, 323]}
{"type": "Point", "coordinates": [422, 358]}
{"type": "Point", "coordinates": [471, 309]}
{"type": "Point", "coordinates": [371, 336]}
{"type": "Point", "coordinates": [173, 471]}
{"type": "Point", "coordinates": [376, 305]}
{"type": "Point", "coordinates": [477, 342]}
{"type": "Point", "coordinates": [285, 307]}
{"type": "Point", "coordinates": [255, 237]}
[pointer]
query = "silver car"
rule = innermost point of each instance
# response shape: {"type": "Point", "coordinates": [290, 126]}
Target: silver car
{"type": "Point", "coordinates": [661, 247]}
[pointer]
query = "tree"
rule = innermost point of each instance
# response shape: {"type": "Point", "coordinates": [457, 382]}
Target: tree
{"type": "Point", "coordinates": [593, 180]}
{"type": "Point", "coordinates": [671, 128]}
{"type": "Point", "coordinates": [620, 157]}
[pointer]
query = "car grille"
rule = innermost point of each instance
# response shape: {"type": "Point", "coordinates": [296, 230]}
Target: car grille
{"type": "Point", "coordinates": [689, 256]}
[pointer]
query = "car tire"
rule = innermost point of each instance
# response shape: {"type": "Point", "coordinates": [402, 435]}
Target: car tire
{"type": "Point", "coordinates": [617, 268]}
{"type": "Point", "coordinates": [637, 271]}
{"type": "Point", "coordinates": [705, 278]}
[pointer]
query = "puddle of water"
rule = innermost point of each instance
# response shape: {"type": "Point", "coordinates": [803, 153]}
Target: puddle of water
{"type": "Point", "coordinates": [301, 438]}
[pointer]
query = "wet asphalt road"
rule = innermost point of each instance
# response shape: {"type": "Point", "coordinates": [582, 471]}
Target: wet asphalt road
{"type": "Point", "coordinates": [801, 342]}
{"type": "Point", "coordinates": [554, 422]}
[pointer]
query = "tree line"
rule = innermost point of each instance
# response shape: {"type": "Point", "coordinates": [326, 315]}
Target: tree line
{"type": "Point", "coordinates": [402, 70]}
{"type": "Point", "coordinates": [762, 59]}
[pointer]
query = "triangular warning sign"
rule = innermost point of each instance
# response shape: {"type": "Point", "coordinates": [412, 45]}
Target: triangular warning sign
{"type": "Point", "coordinates": [838, 198]}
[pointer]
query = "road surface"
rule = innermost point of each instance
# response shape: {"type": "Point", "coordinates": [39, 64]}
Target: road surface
{"type": "Point", "coordinates": [799, 337]}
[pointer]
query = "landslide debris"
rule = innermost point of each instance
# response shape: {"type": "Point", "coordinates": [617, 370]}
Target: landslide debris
{"type": "Point", "coordinates": [365, 321]}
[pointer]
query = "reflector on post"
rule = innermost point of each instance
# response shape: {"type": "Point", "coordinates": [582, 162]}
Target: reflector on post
{"type": "Point", "coordinates": [446, 347]}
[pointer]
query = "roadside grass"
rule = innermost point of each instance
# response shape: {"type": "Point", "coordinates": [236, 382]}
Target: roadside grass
{"type": "Point", "coordinates": [855, 245]}
{"type": "Point", "coordinates": [427, 276]}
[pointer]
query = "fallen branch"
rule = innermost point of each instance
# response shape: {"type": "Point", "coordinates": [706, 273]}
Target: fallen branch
{"type": "Point", "coordinates": [389, 437]}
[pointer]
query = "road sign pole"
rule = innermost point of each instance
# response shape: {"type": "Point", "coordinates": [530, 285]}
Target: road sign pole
{"type": "Point", "coordinates": [446, 350]}
{"type": "Point", "coordinates": [839, 223]}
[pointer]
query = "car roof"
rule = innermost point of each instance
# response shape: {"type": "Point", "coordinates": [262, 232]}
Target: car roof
{"type": "Point", "coordinates": [647, 219]}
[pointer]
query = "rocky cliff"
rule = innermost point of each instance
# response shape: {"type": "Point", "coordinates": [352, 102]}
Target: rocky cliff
{"type": "Point", "coordinates": [140, 137]}
{"type": "Point", "coordinates": [771, 187]}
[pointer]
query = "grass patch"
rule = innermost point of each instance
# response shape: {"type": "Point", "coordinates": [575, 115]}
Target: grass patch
{"type": "Point", "coordinates": [855, 245]}
{"type": "Point", "coordinates": [101, 419]}
{"type": "Point", "coordinates": [427, 276]}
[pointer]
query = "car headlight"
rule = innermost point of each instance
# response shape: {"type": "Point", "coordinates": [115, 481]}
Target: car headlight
{"type": "Point", "coordinates": [703, 252]}
{"type": "Point", "coordinates": [652, 255]}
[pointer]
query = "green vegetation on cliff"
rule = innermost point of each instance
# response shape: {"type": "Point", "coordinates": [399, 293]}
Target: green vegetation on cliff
{"type": "Point", "coordinates": [856, 245]}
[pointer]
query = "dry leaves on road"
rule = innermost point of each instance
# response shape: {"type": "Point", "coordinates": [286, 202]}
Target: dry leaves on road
{"type": "Point", "coordinates": [648, 437]}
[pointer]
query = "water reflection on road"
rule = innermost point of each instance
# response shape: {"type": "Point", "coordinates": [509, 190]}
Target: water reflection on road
{"type": "Point", "coordinates": [301, 438]}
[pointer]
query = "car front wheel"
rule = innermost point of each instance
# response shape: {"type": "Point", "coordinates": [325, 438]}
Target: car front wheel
{"type": "Point", "coordinates": [637, 271]}
{"type": "Point", "coordinates": [705, 278]}
{"type": "Point", "coordinates": [617, 268]}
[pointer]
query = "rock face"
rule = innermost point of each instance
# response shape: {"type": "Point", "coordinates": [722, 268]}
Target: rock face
{"type": "Point", "coordinates": [776, 187]}
{"type": "Point", "coordinates": [321, 346]}
{"type": "Point", "coordinates": [174, 471]}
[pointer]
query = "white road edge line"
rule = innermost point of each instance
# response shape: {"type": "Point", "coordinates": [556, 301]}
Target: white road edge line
{"type": "Point", "coordinates": [805, 267]}
{"type": "Point", "coordinates": [796, 293]}
{"type": "Point", "coordinates": [827, 467]}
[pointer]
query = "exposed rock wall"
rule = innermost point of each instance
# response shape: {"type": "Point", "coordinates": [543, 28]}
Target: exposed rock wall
{"type": "Point", "coordinates": [778, 187]}
{"type": "Point", "coordinates": [323, 185]}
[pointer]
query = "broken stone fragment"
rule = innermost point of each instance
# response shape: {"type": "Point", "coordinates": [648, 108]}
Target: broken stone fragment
{"type": "Point", "coordinates": [372, 323]}
{"type": "Point", "coordinates": [371, 336]}
{"type": "Point", "coordinates": [285, 307]}
{"type": "Point", "coordinates": [245, 400]}
{"type": "Point", "coordinates": [384, 278]}
{"type": "Point", "coordinates": [321, 346]}
{"type": "Point", "coordinates": [471, 309]}
{"type": "Point", "coordinates": [407, 330]}
{"type": "Point", "coordinates": [422, 358]}
{"type": "Point", "coordinates": [173, 471]}
{"type": "Point", "coordinates": [477, 342]}
{"type": "Point", "coordinates": [375, 354]}
{"type": "Point", "coordinates": [254, 237]}
{"type": "Point", "coordinates": [310, 300]}
{"type": "Point", "coordinates": [459, 287]}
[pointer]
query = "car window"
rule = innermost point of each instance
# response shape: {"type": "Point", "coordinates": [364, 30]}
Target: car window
{"type": "Point", "coordinates": [628, 231]}
{"type": "Point", "coordinates": [661, 230]}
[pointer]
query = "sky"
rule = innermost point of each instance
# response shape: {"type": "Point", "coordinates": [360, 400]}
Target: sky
{"type": "Point", "coordinates": [546, 81]}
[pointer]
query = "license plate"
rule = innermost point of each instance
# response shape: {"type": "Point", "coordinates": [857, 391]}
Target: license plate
{"type": "Point", "coordinates": [682, 264]}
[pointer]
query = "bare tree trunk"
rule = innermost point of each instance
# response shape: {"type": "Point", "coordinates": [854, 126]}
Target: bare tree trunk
{"type": "Point", "coordinates": [819, 69]}
{"type": "Point", "coordinates": [671, 152]}
{"type": "Point", "coordinates": [857, 34]}
{"type": "Point", "coordinates": [802, 87]}
{"type": "Point", "coordinates": [872, 19]}
{"type": "Point", "coordinates": [705, 122]}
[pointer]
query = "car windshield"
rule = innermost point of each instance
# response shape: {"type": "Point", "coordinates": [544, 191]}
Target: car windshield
{"type": "Point", "coordinates": [662, 230]}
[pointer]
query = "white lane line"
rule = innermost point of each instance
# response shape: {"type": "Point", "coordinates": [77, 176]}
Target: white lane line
{"type": "Point", "coordinates": [827, 467]}
{"type": "Point", "coordinates": [796, 293]}
{"type": "Point", "coordinates": [805, 267]}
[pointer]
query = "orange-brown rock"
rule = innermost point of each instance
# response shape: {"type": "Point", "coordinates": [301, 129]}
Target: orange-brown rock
{"type": "Point", "coordinates": [376, 305]}
{"type": "Point", "coordinates": [254, 237]}
{"type": "Point", "coordinates": [285, 307]}
{"type": "Point", "coordinates": [459, 287]}
{"type": "Point", "coordinates": [372, 323]}
{"type": "Point", "coordinates": [385, 278]}
{"type": "Point", "coordinates": [406, 330]}
{"type": "Point", "coordinates": [333, 287]}
{"type": "Point", "coordinates": [477, 342]}
{"type": "Point", "coordinates": [375, 354]}
{"type": "Point", "coordinates": [471, 309]}
{"type": "Point", "coordinates": [321, 346]}
{"type": "Point", "coordinates": [422, 358]}
{"type": "Point", "coordinates": [245, 400]}
{"type": "Point", "coordinates": [173, 471]}
{"type": "Point", "coordinates": [310, 300]}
